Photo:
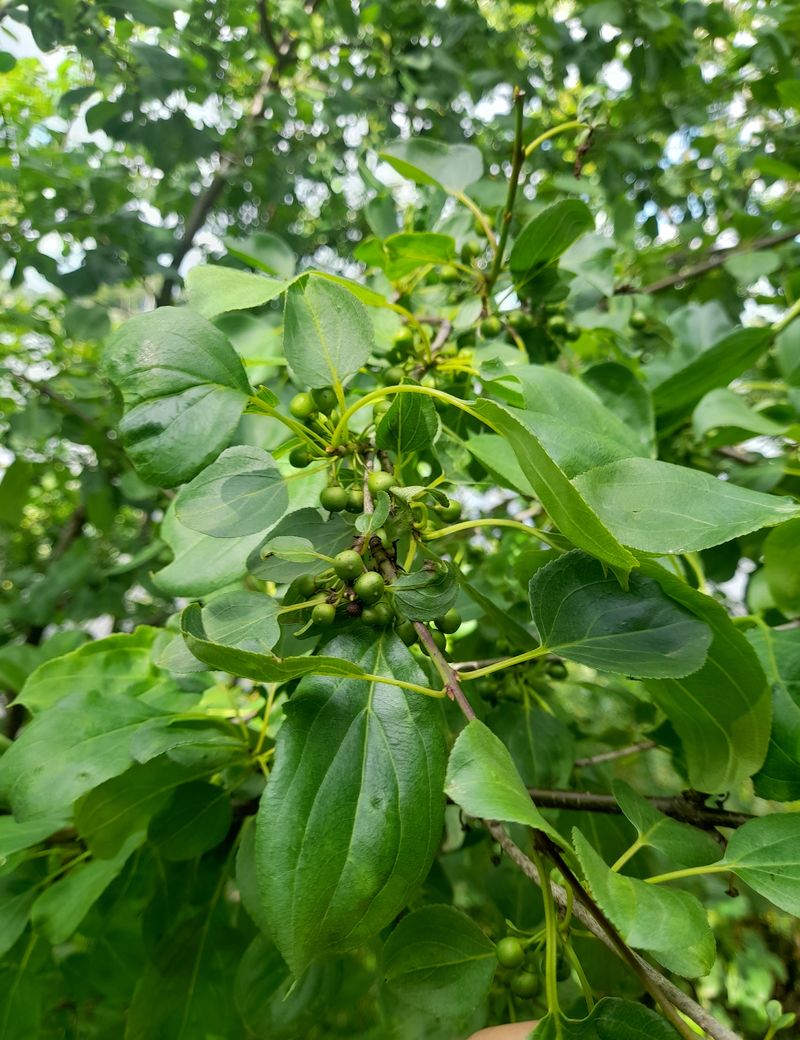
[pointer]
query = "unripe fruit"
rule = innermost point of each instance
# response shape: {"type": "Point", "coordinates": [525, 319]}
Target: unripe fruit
{"type": "Point", "coordinates": [451, 512]}
{"type": "Point", "coordinates": [470, 250]}
{"type": "Point", "coordinates": [638, 320]}
{"type": "Point", "coordinates": [491, 326]}
{"type": "Point", "coordinates": [403, 338]}
{"type": "Point", "coordinates": [525, 984]}
{"type": "Point", "coordinates": [572, 332]}
{"type": "Point", "coordinates": [449, 274]}
{"type": "Point", "coordinates": [369, 588]}
{"type": "Point", "coordinates": [510, 953]}
{"type": "Point", "coordinates": [380, 615]}
{"type": "Point", "coordinates": [325, 399]}
{"type": "Point", "coordinates": [380, 408]}
{"type": "Point", "coordinates": [519, 320]}
{"type": "Point", "coordinates": [323, 614]}
{"type": "Point", "coordinates": [306, 585]}
{"type": "Point", "coordinates": [439, 639]}
{"type": "Point", "coordinates": [300, 457]}
{"type": "Point", "coordinates": [302, 406]}
{"type": "Point", "coordinates": [355, 501]}
{"type": "Point", "coordinates": [449, 622]}
{"type": "Point", "coordinates": [333, 498]}
{"type": "Point", "coordinates": [380, 481]}
{"type": "Point", "coordinates": [393, 375]}
{"type": "Point", "coordinates": [429, 380]}
{"type": "Point", "coordinates": [557, 325]}
{"type": "Point", "coordinates": [557, 670]}
{"type": "Point", "coordinates": [407, 632]}
{"type": "Point", "coordinates": [348, 565]}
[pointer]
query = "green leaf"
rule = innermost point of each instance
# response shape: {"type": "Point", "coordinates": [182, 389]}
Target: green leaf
{"type": "Point", "coordinates": [410, 425]}
{"type": "Point", "coordinates": [353, 810]}
{"type": "Point", "coordinates": [81, 741]}
{"type": "Point", "coordinates": [581, 613]}
{"type": "Point", "coordinates": [215, 290]}
{"type": "Point", "coordinates": [117, 664]}
{"type": "Point", "coordinates": [498, 458]}
{"type": "Point", "coordinates": [438, 960]}
{"type": "Point", "coordinates": [611, 1019]}
{"type": "Point", "coordinates": [16, 836]}
{"type": "Point", "coordinates": [59, 910]}
{"type": "Point", "coordinates": [722, 410]}
{"type": "Point", "coordinates": [18, 892]}
{"type": "Point", "coordinates": [125, 804]}
{"type": "Point", "coordinates": [327, 536]}
{"type": "Point", "coordinates": [483, 780]}
{"type": "Point", "coordinates": [568, 510]}
{"type": "Point", "coordinates": [687, 846]}
{"type": "Point", "coordinates": [765, 854]}
{"type": "Point", "coordinates": [787, 353]}
{"type": "Point", "coordinates": [327, 334]}
{"type": "Point", "coordinates": [423, 595]}
{"type": "Point", "coordinates": [289, 548]}
{"type": "Point", "coordinates": [668, 924]}
{"type": "Point", "coordinates": [423, 161]}
{"type": "Point", "coordinates": [789, 91]}
{"type": "Point", "coordinates": [265, 251]}
{"type": "Point", "coordinates": [248, 620]}
{"type": "Point", "coordinates": [722, 712]}
{"type": "Point", "coordinates": [201, 563]}
{"type": "Point", "coordinates": [782, 567]}
{"type": "Point", "coordinates": [543, 239]}
{"type": "Point", "coordinates": [540, 744]}
{"type": "Point", "coordinates": [409, 250]}
{"type": "Point", "coordinates": [779, 654]}
{"type": "Point", "coordinates": [183, 388]}
{"type": "Point", "coordinates": [623, 394]}
{"type": "Point", "coordinates": [661, 508]}
{"type": "Point", "coordinates": [250, 665]}
{"type": "Point", "coordinates": [242, 492]}
{"type": "Point", "coordinates": [197, 819]}
{"type": "Point", "coordinates": [715, 367]}
{"type": "Point", "coordinates": [270, 1001]}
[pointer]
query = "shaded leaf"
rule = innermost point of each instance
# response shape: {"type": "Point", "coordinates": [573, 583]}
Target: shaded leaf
{"type": "Point", "coordinates": [423, 161]}
{"type": "Point", "coordinates": [687, 846]}
{"type": "Point", "coordinates": [548, 235]}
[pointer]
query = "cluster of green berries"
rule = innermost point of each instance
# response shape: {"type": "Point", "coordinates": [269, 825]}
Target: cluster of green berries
{"type": "Point", "coordinates": [525, 982]}
{"type": "Point", "coordinates": [306, 407]}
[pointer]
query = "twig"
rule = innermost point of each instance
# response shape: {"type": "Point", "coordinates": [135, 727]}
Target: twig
{"type": "Point", "coordinates": [611, 756]}
{"type": "Point", "coordinates": [517, 159]}
{"type": "Point", "coordinates": [679, 808]}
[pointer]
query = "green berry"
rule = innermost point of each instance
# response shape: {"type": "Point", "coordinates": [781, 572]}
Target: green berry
{"type": "Point", "coordinates": [302, 406]}
{"type": "Point", "coordinates": [369, 588]}
{"type": "Point", "coordinates": [306, 585]}
{"type": "Point", "coordinates": [557, 325]}
{"type": "Point", "coordinates": [324, 399]}
{"type": "Point", "coordinates": [519, 320]}
{"type": "Point", "coordinates": [429, 380]}
{"type": "Point", "coordinates": [300, 457]}
{"type": "Point", "coordinates": [348, 565]}
{"type": "Point", "coordinates": [355, 500]}
{"type": "Point", "coordinates": [510, 953]}
{"type": "Point", "coordinates": [557, 670]}
{"type": "Point", "coordinates": [572, 332]}
{"type": "Point", "coordinates": [380, 615]}
{"type": "Point", "coordinates": [449, 275]}
{"type": "Point", "coordinates": [470, 250]}
{"type": "Point", "coordinates": [439, 639]}
{"type": "Point", "coordinates": [407, 632]}
{"type": "Point", "coordinates": [451, 512]}
{"type": "Point", "coordinates": [491, 327]}
{"type": "Point", "coordinates": [449, 622]}
{"type": "Point", "coordinates": [380, 408]}
{"type": "Point", "coordinates": [525, 984]}
{"type": "Point", "coordinates": [403, 338]}
{"type": "Point", "coordinates": [393, 375]}
{"type": "Point", "coordinates": [333, 498]}
{"type": "Point", "coordinates": [638, 320]}
{"type": "Point", "coordinates": [323, 614]}
{"type": "Point", "coordinates": [380, 481]}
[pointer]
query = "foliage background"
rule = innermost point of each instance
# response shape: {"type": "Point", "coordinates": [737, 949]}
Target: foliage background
{"type": "Point", "coordinates": [137, 138]}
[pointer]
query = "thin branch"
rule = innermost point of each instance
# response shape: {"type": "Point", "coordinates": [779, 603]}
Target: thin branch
{"type": "Point", "coordinates": [716, 259]}
{"type": "Point", "coordinates": [679, 808]}
{"type": "Point", "coordinates": [682, 1001]}
{"type": "Point", "coordinates": [611, 756]}
{"type": "Point", "coordinates": [517, 159]}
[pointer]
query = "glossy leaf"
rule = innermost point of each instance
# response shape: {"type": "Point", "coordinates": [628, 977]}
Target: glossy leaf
{"type": "Point", "coordinates": [248, 620]}
{"type": "Point", "coordinates": [183, 388]}
{"type": "Point", "coordinates": [241, 493]}
{"type": "Point", "coordinates": [722, 712]}
{"type": "Point", "coordinates": [779, 654]}
{"type": "Point", "coordinates": [483, 780]}
{"type": "Point", "coordinates": [438, 960]}
{"type": "Point", "coordinates": [581, 613]}
{"type": "Point", "coordinates": [548, 235]}
{"type": "Point", "coordinates": [327, 334]}
{"type": "Point", "coordinates": [661, 508]}
{"type": "Point", "coordinates": [668, 924]}
{"type": "Point", "coordinates": [685, 845]}
{"type": "Point", "coordinates": [411, 424]}
{"type": "Point", "coordinates": [423, 161]}
{"type": "Point", "coordinates": [252, 665]}
{"type": "Point", "coordinates": [765, 853]}
{"type": "Point", "coordinates": [423, 595]}
{"type": "Point", "coordinates": [215, 290]}
{"type": "Point", "coordinates": [353, 809]}
{"type": "Point", "coordinates": [563, 502]}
